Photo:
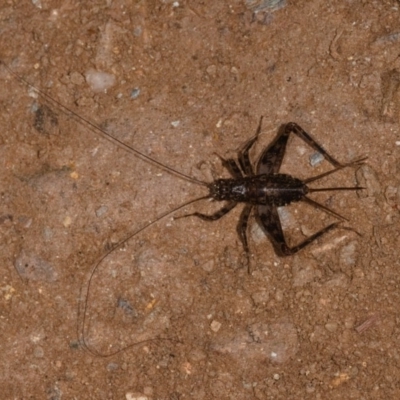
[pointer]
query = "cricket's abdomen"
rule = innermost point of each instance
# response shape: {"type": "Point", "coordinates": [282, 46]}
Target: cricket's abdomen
{"type": "Point", "coordinates": [274, 189]}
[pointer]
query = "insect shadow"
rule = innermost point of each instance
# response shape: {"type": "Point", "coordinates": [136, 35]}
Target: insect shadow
{"type": "Point", "coordinates": [259, 186]}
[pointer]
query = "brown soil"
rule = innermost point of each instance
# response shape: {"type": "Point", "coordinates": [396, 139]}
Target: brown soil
{"type": "Point", "coordinates": [322, 324]}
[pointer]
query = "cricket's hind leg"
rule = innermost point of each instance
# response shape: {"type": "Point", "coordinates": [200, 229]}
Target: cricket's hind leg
{"type": "Point", "coordinates": [355, 163]}
{"type": "Point", "coordinates": [269, 219]}
{"type": "Point", "coordinates": [271, 159]}
{"type": "Point", "coordinates": [242, 232]}
{"type": "Point", "coordinates": [243, 154]}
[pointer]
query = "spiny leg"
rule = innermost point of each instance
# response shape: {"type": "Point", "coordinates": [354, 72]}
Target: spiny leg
{"type": "Point", "coordinates": [302, 134]}
{"type": "Point", "coordinates": [288, 251]}
{"type": "Point", "coordinates": [271, 159]}
{"type": "Point", "coordinates": [269, 219]}
{"type": "Point", "coordinates": [323, 208]}
{"type": "Point", "coordinates": [354, 163]}
{"type": "Point", "coordinates": [243, 156]}
{"type": "Point", "coordinates": [213, 217]}
{"type": "Point", "coordinates": [242, 229]}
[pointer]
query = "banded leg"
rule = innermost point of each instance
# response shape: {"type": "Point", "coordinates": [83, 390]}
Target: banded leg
{"type": "Point", "coordinates": [243, 156]}
{"type": "Point", "coordinates": [354, 163]}
{"type": "Point", "coordinates": [242, 226]}
{"type": "Point", "coordinates": [242, 232]}
{"type": "Point", "coordinates": [269, 219]}
{"type": "Point", "coordinates": [213, 217]}
{"type": "Point", "coordinates": [271, 159]}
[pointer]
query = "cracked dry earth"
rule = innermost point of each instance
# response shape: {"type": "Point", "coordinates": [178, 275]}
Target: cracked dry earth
{"type": "Point", "coordinates": [186, 80]}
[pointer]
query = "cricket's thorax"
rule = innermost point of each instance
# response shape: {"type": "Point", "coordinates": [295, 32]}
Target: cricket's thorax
{"type": "Point", "coordinates": [274, 189]}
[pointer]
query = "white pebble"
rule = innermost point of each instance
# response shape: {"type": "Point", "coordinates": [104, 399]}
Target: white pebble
{"type": "Point", "coordinates": [175, 124]}
{"type": "Point", "coordinates": [316, 159]}
{"type": "Point", "coordinates": [135, 396]}
{"type": "Point", "coordinates": [99, 81]}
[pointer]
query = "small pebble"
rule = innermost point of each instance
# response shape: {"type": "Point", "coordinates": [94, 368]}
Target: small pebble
{"type": "Point", "coordinates": [7, 291]}
{"type": "Point", "coordinates": [25, 221]}
{"type": "Point", "coordinates": [273, 355]}
{"type": "Point", "coordinates": [38, 352]}
{"type": "Point", "coordinates": [175, 124]}
{"type": "Point", "coordinates": [349, 322]}
{"type": "Point", "coordinates": [391, 38]}
{"type": "Point", "coordinates": [99, 81]}
{"type": "Point", "coordinates": [112, 366]}
{"type": "Point", "coordinates": [331, 326]}
{"type": "Point", "coordinates": [76, 78]}
{"type": "Point", "coordinates": [310, 388]}
{"type": "Point", "coordinates": [208, 266]}
{"type": "Point", "coordinates": [348, 254]}
{"type": "Point", "coordinates": [67, 221]}
{"type": "Point", "coordinates": [211, 70]}
{"type": "Point", "coordinates": [391, 195]}
{"type": "Point", "coordinates": [215, 326]}
{"type": "Point", "coordinates": [138, 31]}
{"type": "Point", "coordinates": [263, 5]}
{"type": "Point", "coordinates": [135, 93]}
{"type": "Point", "coordinates": [37, 3]}
{"type": "Point", "coordinates": [135, 396]}
{"type": "Point", "coordinates": [316, 159]}
{"type": "Point", "coordinates": [279, 295]}
{"type": "Point", "coordinates": [34, 268]}
{"type": "Point", "coordinates": [32, 92]}
{"type": "Point", "coordinates": [368, 178]}
{"type": "Point", "coordinates": [260, 297]}
{"type": "Point", "coordinates": [101, 211]}
{"type": "Point", "coordinates": [148, 390]}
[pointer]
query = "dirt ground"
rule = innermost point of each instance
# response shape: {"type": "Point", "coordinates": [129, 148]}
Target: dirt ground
{"type": "Point", "coordinates": [189, 79]}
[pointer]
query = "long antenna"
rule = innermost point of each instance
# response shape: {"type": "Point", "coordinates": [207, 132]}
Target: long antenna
{"type": "Point", "coordinates": [81, 328]}
{"type": "Point", "coordinates": [323, 208]}
{"type": "Point", "coordinates": [96, 129]}
{"type": "Point", "coordinates": [354, 163]}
